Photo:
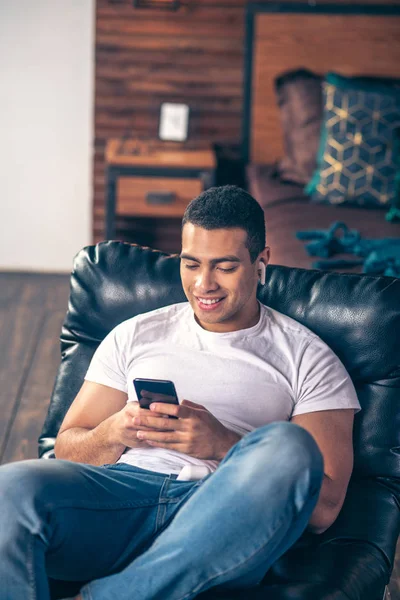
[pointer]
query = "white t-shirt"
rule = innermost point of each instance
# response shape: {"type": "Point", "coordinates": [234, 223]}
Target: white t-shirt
{"type": "Point", "coordinates": [248, 378]}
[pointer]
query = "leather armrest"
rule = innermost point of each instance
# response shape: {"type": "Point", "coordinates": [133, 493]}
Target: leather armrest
{"type": "Point", "coordinates": [370, 513]}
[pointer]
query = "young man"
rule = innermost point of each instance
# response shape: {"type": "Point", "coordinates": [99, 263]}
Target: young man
{"type": "Point", "coordinates": [264, 430]}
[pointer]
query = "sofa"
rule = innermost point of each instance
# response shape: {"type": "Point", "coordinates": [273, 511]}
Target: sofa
{"type": "Point", "coordinates": [358, 316]}
{"type": "Point", "coordinates": [332, 166]}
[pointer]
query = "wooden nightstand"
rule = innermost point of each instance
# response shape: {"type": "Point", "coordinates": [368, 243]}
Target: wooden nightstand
{"type": "Point", "coordinates": [158, 183]}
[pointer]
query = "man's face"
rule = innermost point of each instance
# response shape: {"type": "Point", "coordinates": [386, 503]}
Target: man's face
{"type": "Point", "coordinates": [218, 278]}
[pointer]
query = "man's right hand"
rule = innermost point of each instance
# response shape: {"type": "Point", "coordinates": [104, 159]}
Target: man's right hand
{"type": "Point", "coordinates": [123, 431]}
{"type": "Point", "coordinates": [98, 426]}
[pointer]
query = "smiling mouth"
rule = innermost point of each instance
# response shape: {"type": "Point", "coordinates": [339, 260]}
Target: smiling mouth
{"type": "Point", "coordinates": [208, 303]}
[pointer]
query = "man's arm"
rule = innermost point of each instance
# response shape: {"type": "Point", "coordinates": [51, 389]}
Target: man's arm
{"type": "Point", "coordinates": [98, 426]}
{"type": "Point", "coordinates": [333, 432]}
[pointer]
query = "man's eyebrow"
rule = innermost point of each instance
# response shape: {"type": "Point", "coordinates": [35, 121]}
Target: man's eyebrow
{"type": "Point", "coordinates": [214, 261]}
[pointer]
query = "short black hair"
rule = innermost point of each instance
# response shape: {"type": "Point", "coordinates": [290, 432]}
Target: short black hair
{"type": "Point", "coordinates": [226, 207]}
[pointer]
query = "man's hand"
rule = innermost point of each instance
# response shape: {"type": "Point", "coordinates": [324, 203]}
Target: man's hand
{"type": "Point", "coordinates": [195, 432]}
{"type": "Point", "coordinates": [123, 429]}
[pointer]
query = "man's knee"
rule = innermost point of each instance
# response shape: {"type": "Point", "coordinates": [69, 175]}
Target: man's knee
{"type": "Point", "coordinates": [23, 484]}
{"type": "Point", "coordinates": [287, 445]}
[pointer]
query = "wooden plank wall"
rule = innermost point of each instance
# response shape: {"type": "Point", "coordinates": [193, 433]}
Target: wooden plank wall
{"type": "Point", "coordinates": [145, 57]}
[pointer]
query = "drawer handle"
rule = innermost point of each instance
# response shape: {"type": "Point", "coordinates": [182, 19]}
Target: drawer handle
{"type": "Point", "coordinates": [160, 197]}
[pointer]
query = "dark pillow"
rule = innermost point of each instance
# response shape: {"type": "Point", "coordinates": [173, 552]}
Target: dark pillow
{"type": "Point", "coordinates": [299, 95]}
{"type": "Point", "coordinates": [358, 159]}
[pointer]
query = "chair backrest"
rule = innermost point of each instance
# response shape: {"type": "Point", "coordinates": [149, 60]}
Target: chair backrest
{"type": "Point", "coordinates": [357, 315]}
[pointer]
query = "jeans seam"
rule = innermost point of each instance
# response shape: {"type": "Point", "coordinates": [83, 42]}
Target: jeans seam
{"type": "Point", "coordinates": [162, 505]}
{"type": "Point", "coordinates": [31, 570]}
{"type": "Point", "coordinates": [96, 506]}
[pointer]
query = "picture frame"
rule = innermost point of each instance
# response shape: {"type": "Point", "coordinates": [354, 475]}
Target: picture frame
{"type": "Point", "coordinates": [174, 122]}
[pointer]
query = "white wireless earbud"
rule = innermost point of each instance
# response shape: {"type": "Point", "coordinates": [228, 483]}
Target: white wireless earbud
{"type": "Point", "coordinates": [262, 269]}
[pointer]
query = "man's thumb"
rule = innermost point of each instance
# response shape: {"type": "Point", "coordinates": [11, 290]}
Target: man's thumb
{"type": "Point", "coordinates": [190, 403]}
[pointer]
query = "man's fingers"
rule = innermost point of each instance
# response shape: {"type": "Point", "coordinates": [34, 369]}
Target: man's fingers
{"type": "Point", "coordinates": [168, 437]}
{"type": "Point", "coordinates": [134, 409]}
{"type": "Point", "coordinates": [174, 410]}
{"type": "Point", "coordinates": [163, 422]}
{"type": "Point", "coordinates": [145, 413]}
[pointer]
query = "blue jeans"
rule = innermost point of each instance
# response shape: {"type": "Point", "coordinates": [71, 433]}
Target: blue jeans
{"type": "Point", "coordinates": [135, 534]}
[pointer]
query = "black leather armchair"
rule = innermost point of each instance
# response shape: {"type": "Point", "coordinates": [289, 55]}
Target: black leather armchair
{"type": "Point", "coordinates": [359, 317]}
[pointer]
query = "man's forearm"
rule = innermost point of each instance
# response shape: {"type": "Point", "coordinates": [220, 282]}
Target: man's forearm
{"type": "Point", "coordinates": [90, 446]}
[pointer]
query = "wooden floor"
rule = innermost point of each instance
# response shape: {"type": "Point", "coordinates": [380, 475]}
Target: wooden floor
{"type": "Point", "coordinates": [32, 308]}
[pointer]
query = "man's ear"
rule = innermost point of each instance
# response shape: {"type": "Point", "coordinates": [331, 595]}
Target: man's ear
{"type": "Point", "coordinates": [265, 255]}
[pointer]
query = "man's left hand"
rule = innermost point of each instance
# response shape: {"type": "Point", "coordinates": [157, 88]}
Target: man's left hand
{"type": "Point", "coordinates": [195, 432]}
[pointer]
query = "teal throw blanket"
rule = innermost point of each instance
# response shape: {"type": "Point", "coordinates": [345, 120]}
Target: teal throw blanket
{"type": "Point", "coordinates": [379, 256]}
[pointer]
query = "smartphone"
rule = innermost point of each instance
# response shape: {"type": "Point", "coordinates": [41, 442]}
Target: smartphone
{"type": "Point", "coordinates": [155, 390]}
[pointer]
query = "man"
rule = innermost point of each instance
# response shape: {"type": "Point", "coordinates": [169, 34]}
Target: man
{"type": "Point", "coordinates": [266, 417]}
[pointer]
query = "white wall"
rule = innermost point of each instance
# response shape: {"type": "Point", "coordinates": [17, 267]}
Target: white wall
{"type": "Point", "coordinates": [46, 132]}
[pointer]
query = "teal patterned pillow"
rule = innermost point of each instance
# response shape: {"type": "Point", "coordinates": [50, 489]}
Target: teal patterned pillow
{"type": "Point", "coordinates": [359, 155]}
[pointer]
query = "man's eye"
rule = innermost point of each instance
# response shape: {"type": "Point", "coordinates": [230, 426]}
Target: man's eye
{"type": "Point", "coordinates": [191, 267]}
{"type": "Point", "coordinates": [227, 270]}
